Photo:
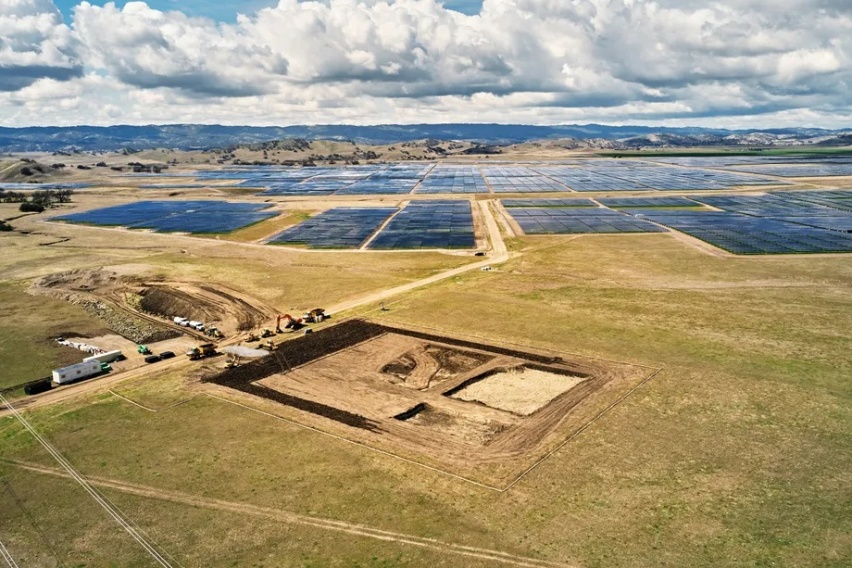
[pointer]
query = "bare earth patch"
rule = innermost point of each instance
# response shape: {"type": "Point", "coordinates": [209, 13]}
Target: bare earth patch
{"type": "Point", "coordinates": [520, 390]}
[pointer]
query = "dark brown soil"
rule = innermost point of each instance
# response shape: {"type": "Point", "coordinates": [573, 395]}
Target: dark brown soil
{"type": "Point", "coordinates": [455, 361]}
{"type": "Point", "coordinates": [168, 303]}
{"type": "Point", "coordinates": [400, 368]}
{"type": "Point", "coordinates": [248, 317]}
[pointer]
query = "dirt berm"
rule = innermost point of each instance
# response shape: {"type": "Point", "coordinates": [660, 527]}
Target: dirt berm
{"type": "Point", "coordinates": [202, 303]}
{"type": "Point", "coordinates": [74, 286]}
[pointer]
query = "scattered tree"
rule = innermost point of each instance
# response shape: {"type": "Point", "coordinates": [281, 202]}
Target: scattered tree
{"type": "Point", "coordinates": [29, 207]}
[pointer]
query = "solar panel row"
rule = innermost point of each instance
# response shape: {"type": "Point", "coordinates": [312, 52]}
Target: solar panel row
{"type": "Point", "coordinates": [176, 216]}
{"type": "Point", "coordinates": [343, 227]}
{"type": "Point", "coordinates": [429, 224]}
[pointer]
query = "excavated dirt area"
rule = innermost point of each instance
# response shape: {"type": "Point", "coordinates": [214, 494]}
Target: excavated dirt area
{"type": "Point", "coordinates": [98, 292]}
{"type": "Point", "coordinates": [479, 410]}
{"type": "Point", "coordinates": [143, 310]}
{"type": "Point", "coordinates": [522, 390]}
{"type": "Point", "coordinates": [204, 303]}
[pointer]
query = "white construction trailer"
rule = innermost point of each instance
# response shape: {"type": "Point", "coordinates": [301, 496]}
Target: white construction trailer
{"type": "Point", "coordinates": [77, 372]}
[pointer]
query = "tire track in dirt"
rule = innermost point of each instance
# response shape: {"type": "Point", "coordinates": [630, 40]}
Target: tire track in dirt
{"type": "Point", "coordinates": [301, 520]}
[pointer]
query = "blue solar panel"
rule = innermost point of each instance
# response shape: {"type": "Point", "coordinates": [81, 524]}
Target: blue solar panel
{"type": "Point", "coordinates": [558, 221]}
{"type": "Point", "coordinates": [548, 203]}
{"type": "Point", "coordinates": [343, 227]}
{"type": "Point", "coordinates": [36, 186]}
{"type": "Point", "coordinates": [619, 202]}
{"type": "Point", "coordinates": [176, 216]}
{"type": "Point", "coordinates": [429, 224]}
{"type": "Point", "coordinates": [453, 179]}
{"type": "Point", "coordinates": [744, 234]}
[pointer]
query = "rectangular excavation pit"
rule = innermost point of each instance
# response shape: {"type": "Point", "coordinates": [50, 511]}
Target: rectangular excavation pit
{"type": "Point", "coordinates": [337, 380]}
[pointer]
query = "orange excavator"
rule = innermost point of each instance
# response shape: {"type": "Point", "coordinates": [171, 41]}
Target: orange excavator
{"type": "Point", "coordinates": [292, 323]}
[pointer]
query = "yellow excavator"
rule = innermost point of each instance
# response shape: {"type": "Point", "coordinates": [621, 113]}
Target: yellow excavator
{"type": "Point", "coordinates": [292, 323]}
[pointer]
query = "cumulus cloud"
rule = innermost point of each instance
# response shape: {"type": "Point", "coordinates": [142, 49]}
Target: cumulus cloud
{"type": "Point", "coordinates": [381, 61]}
{"type": "Point", "coordinates": [147, 48]}
{"type": "Point", "coordinates": [34, 43]}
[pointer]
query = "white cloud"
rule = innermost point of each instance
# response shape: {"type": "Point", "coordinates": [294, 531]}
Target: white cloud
{"type": "Point", "coordinates": [34, 43]}
{"type": "Point", "coordinates": [413, 60]}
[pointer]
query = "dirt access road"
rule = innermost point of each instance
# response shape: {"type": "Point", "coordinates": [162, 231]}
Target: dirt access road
{"type": "Point", "coordinates": [278, 515]}
{"type": "Point", "coordinates": [498, 255]}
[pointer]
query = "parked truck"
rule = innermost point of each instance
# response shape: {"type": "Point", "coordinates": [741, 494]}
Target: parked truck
{"type": "Point", "coordinates": [202, 351]}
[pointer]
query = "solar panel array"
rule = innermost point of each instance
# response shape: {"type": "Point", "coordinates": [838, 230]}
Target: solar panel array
{"type": "Point", "coordinates": [453, 179]}
{"type": "Point", "coordinates": [774, 223]}
{"type": "Point", "coordinates": [520, 179]}
{"type": "Point", "coordinates": [343, 227]}
{"type": "Point", "coordinates": [176, 216]}
{"type": "Point", "coordinates": [743, 234]}
{"type": "Point", "coordinates": [793, 207]}
{"type": "Point", "coordinates": [803, 170]}
{"type": "Point", "coordinates": [835, 199]}
{"type": "Point", "coordinates": [620, 202]}
{"type": "Point", "coordinates": [9, 186]}
{"type": "Point", "coordinates": [588, 179]}
{"type": "Point", "coordinates": [550, 221]}
{"type": "Point", "coordinates": [552, 177]}
{"type": "Point", "coordinates": [429, 224]}
{"type": "Point", "coordinates": [548, 203]}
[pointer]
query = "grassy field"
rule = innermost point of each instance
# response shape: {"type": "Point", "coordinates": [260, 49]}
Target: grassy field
{"type": "Point", "coordinates": [27, 326]}
{"type": "Point", "coordinates": [737, 454]}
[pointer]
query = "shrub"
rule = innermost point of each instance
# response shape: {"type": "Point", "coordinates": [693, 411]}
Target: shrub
{"type": "Point", "coordinates": [31, 207]}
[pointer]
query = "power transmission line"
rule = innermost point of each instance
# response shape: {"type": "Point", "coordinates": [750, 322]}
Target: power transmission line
{"type": "Point", "coordinates": [90, 489]}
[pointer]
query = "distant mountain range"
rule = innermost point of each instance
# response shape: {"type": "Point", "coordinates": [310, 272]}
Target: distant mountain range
{"type": "Point", "coordinates": [202, 137]}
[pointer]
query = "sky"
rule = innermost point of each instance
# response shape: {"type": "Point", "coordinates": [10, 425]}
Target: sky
{"type": "Point", "coordinates": [721, 63]}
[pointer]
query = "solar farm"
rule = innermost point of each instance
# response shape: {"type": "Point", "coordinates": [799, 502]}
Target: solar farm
{"type": "Point", "coordinates": [773, 223]}
{"type": "Point", "coordinates": [337, 228]}
{"type": "Point", "coordinates": [774, 217]}
{"type": "Point", "coordinates": [448, 179]}
{"type": "Point", "coordinates": [472, 361]}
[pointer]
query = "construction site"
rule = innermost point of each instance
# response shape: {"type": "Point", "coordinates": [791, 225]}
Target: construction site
{"type": "Point", "coordinates": [476, 410]}
{"type": "Point", "coordinates": [389, 378]}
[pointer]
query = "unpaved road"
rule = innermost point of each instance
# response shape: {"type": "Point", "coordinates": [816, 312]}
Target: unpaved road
{"type": "Point", "coordinates": [302, 520]}
{"type": "Point", "coordinates": [93, 386]}
{"type": "Point", "coordinates": [498, 255]}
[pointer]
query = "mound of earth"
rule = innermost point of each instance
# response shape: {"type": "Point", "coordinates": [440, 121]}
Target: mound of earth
{"type": "Point", "coordinates": [202, 303]}
{"type": "Point", "coordinates": [419, 368]}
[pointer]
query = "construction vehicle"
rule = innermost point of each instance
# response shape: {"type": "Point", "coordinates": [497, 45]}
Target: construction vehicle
{"type": "Point", "coordinates": [292, 323]}
{"type": "Point", "coordinates": [267, 333]}
{"type": "Point", "coordinates": [143, 350]}
{"type": "Point", "coordinates": [252, 337]}
{"type": "Point", "coordinates": [233, 361]}
{"type": "Point", "coordinates": [268, 345]}
{"type": "Point", "coordinates": [314, 316]}
{"type": "Point", "coordinates": [202, 351]}
{"type": "Point", "coordinates": [213, 332]}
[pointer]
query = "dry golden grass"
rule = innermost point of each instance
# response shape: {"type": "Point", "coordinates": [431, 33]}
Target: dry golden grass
{"type": "Point", "coordinates": [737, 454]}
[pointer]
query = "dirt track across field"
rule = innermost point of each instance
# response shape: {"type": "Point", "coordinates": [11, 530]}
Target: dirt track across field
{"type": "Point", "coordinates": [296, 519]}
